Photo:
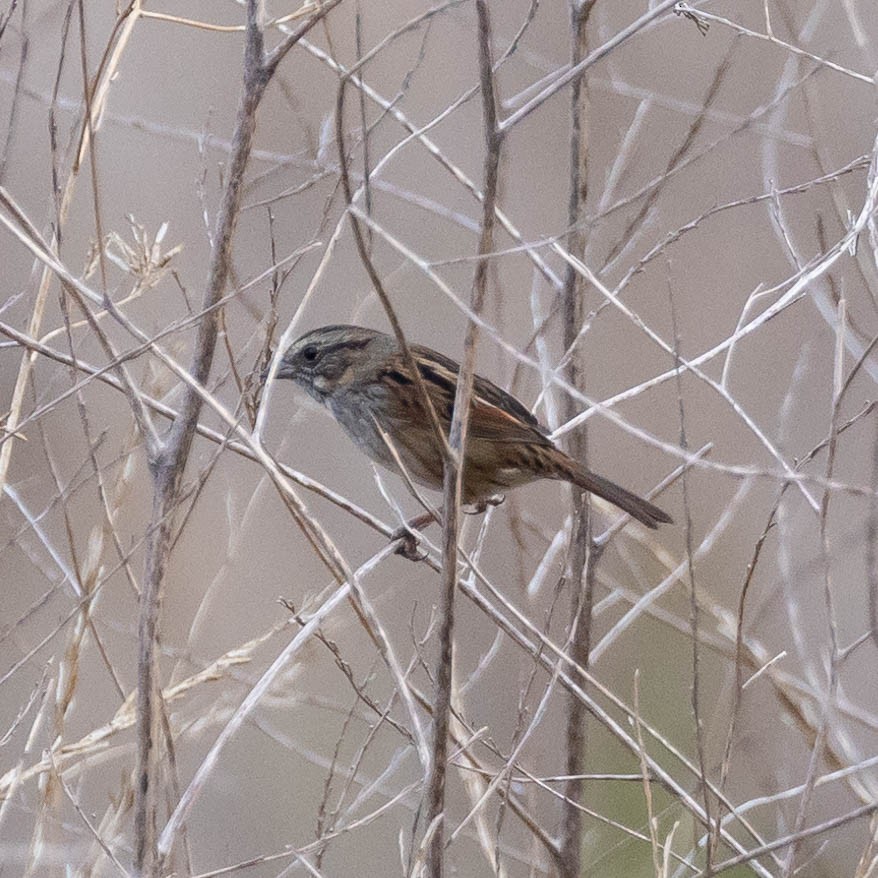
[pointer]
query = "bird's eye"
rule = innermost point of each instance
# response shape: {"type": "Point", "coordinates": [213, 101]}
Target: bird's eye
{"type": "Point", "coordinates": [309, 354]}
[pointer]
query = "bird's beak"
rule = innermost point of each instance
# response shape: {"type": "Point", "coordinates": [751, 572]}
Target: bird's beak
{"type": "Point", "coordinates": [284, 370]}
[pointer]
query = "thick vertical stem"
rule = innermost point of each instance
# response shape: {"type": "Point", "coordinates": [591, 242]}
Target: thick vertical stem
{"type": "Point", "coordinates": [157, 551]}
{"type": "Point", "coordinates": [454, 464]}
{"type": "Point", "coordinates": [582, 556]}
{"type": "Point", "coordinates": [170, 459]}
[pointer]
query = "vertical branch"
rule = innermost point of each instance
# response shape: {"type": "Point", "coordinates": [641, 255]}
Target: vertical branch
{"type": "Point", "coordinates": [827, 705]}
{"type": "Point", "coordinates": [872, 542]}
{"type": "Point", "coordinates": [694, 612]}
{"type": "Point", "coordinates": [367, 164]}
{"type": "Point", "coordinates": [17, 92]}
{"type": "Point", "coordinates": [454, 468]}
{"type": "Point", "coordinates": [168, 462]}
{"type": "Point", "coordinates": [583, 555]}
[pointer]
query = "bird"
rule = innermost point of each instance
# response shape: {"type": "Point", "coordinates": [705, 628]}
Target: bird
{"type": "Point", "coordinates": [363, 377]}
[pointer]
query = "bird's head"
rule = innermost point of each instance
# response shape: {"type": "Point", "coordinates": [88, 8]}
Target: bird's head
{"type": "Point", "coordinates": [325, 359]}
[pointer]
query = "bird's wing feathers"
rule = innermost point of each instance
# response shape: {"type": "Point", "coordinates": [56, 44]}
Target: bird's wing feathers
{"type": "Point", "coordinates": [496, 415]}
{"type": "Point", "coordinates": [488, 421]}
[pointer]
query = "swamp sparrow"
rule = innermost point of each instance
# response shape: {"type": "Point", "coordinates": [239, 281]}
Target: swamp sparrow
{"type": "Point", "coordinates": [363, 378]}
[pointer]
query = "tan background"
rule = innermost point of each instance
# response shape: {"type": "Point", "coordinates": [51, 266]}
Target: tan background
{"type": "Point", "coordinates": [776, 120]}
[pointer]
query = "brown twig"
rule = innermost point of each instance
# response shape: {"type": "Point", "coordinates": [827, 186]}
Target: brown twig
{"type": "Point", "coordinates": [694, 607]}
{"type": "Point", "coordinates": [435, 793]}
{"type": "Point", "coordinates": [372, 272]}
{"type": "Point", "coordinates": [583, 553]}
{"type": "Point", "coordinates": [169, 460]}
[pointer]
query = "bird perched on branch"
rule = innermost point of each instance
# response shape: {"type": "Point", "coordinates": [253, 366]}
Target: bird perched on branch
{"type": "Point", "coordinates": [364, 379]}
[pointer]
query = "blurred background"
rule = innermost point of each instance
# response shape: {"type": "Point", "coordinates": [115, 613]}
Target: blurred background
{"type": "Point", "coordinates": [724, 350]}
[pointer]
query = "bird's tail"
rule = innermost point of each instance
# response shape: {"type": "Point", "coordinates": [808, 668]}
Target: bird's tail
{"type": "Point", "coordinates": [644, 511]}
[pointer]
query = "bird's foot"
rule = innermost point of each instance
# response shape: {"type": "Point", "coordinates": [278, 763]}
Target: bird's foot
{"type": "Point", "coordinates": [408, 538]}
{"type": "Point", "coordinates": [480, 506]}
{"type": "Point", "coordinates": [408, 545]}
